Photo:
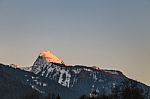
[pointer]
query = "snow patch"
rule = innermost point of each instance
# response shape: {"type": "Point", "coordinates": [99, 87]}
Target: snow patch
{"type": "Point", "coordinates": [76, 71]}
{"type": "Point", "coordinates": [86, 69]}
{"type": "Point", "coordinates": [44, 84]}
{"type": "Point", "coordinates": [66, 81]}
{"type": "Point", "coordinates": [112, 72]}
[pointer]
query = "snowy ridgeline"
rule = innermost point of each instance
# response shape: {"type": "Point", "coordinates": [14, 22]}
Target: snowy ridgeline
{"type": "Point", "coordinates": [66, 75]}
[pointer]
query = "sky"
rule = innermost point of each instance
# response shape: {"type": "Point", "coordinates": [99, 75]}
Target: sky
{"type": "Point", "coordinates": [110, 34]}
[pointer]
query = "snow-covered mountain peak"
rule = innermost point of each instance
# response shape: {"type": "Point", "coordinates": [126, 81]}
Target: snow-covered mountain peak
{"type": "Point", "coordinates": [50, 57]}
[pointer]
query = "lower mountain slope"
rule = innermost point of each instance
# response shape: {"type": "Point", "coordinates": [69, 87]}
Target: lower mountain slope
{"type": "Point", "coordinates": [16, 84]}
{"type": "Point", "coordinates": [10, 86]}
{"type": "Point", "coordinates": [19, 84]}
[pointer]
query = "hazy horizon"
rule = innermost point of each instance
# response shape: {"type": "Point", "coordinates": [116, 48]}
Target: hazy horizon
{"type": "Point", "coordinates": [104, 33]}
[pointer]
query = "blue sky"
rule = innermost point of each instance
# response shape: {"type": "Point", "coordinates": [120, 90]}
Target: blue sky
{"type": "Point", "coordinates": [111, 34]}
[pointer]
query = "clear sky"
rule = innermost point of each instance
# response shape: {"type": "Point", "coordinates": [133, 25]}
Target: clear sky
{"type": "Point", "coordinates": [111, 34]}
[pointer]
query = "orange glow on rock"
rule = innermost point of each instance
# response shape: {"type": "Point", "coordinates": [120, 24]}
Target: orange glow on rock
{"type": "Point", "coordinates": [51, 57]}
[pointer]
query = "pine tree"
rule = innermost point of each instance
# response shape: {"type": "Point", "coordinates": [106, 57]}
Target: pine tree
{"type": "Point", "coordinates": [58, 97]}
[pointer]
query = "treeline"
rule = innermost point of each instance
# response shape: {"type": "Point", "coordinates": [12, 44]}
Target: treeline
{"type": "Point", "coordinates": [37, 95]}
{"type": "Point", "coordinates": [127, 93]}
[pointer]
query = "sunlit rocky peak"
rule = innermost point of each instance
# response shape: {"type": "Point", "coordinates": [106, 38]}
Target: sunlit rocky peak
{"type": "Point", "coordinates": [50, 57]}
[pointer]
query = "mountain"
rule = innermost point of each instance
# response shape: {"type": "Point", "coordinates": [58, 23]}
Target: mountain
{"type": "Point", "coordinates": [17, 84]}
{"type": "Point", "coordinates": [10, 86]}
{"type": "Point", "coordinates": [86, 80]}
{"type": "Point", "coordinates": [49, 77]}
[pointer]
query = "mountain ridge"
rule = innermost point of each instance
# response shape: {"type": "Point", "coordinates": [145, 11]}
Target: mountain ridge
{"type": "Point", "coordinates": [82, 77]}
{"type": "Point", "coordinates": [49, 74]}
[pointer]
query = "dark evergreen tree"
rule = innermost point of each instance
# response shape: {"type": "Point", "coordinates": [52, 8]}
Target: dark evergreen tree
{"type": "Point", "coordinates": [58, 97]}
{"type": "Point", "coordinates": [33, 95]}
{"type": "Point", "coordinates": [132, 93]}
{"type": "Point", "coordinates": [83, 97]}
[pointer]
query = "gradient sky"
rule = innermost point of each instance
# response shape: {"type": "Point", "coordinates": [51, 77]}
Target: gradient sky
{"type": "Point", "coordinates": [111, 34]}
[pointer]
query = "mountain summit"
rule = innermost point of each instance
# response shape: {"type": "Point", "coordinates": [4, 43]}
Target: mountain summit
{"type": "Point", "coordinates": [50, 57]}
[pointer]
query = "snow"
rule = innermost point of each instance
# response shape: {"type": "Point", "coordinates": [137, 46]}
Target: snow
{"type": "Point", "coordinates": [50, 70]}
{"type": "Point", "coordinates": [87, 69]}
{"type": "Point", "coordinates": [57, 73]}
{"type": "Point", "coordinates": [44, 84]}
{"type": "Point", "coordinates": [100, 80]}
{"type": "Point", "coordinates": [76, 71]}
{"type": "Point", "coordinates": [51, 57]}
{"type": "Point", "coordinates": [14, 65]}
{"type": "Point", "coordinates": [112, 72]}
{"type": "Point", "coordinates": [43, 73]}
{"type": "Point", "coordinates": [35, 80]}
{"type": "Point", "coordinates": [34, 87]}
{"type": "Point", "coordinates": [114, 85]}
{"type": "Point", "coordinates": [97, 90]}
{"type": "Point", "coordinates": [32, 77]}
{"type": "Point", "coordinates": [95, 77]}
{"type": "Point", "coordinates": [65, 82]}
{"type": "Point", "coordinates": [29, 68]}
{"type": "Point", "coordinates": [93, 86]}
{"type": "Point", "coordinates": [25, 75]}
{"type": "Point", "coordinates": [38, 83]}
{"type": "Point", "coordinates": [74, 81]}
